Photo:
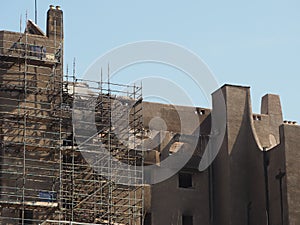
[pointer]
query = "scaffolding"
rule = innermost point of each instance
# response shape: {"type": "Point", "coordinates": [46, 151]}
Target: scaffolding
{"type": "Point", "coordinates": [106, 161]}
{"type": "Point", "coordinates": [54, 170]}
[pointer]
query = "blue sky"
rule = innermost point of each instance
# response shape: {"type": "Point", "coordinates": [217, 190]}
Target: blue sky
{"type": "Point", "coordinates": [254, 43]}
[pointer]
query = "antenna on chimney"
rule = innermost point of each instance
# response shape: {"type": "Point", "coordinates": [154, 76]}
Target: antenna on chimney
{"type": "Point", "coordinates": [26, 16]}
{"type": "Point", "coordinates": [35, 9]}
{"type": "Point", "coordinates": [74, 67]}
{"type": "Point", "coordinates": [20, 24]}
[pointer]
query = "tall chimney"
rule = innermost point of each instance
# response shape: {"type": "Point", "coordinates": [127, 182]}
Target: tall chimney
{"type": "Point", "coordinates": [55, 23]}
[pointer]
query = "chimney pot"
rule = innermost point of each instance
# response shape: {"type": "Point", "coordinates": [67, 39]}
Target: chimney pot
{"type": "Point", "coordinates": [51, 6]}
{"type": "Point", "coordinates": [58, 7]}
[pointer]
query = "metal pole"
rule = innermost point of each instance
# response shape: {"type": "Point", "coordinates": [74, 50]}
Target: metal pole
{"type": "Point", "coordinates": [35, 7]}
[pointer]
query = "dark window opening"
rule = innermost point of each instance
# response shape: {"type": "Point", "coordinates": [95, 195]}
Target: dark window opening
{"type": "Point", "coordinates": [200, 111]}
{"type": "Point", "coordinates": [185, 180]}
{"type": "Point", "coordinates": [28, 217]}
{"type": "Point", "coordinates": [147, 219]}
{"type": "Point", "coordinates": [187, 220]}
{"type": "Point", "coordinates": [69, 141]}
{"type": "Point", "coordinates": [256, 117]}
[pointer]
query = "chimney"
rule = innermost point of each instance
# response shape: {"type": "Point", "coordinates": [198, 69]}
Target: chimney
{"type": "Point", "coordinates": [55, 23]}
{"type": "Point", "coordinates": [271, 105]}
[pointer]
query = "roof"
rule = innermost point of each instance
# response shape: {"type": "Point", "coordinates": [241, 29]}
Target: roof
{"type": "Point", "coordinates": [32, 28]}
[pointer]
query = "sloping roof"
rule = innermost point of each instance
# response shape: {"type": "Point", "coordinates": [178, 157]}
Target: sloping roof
{"type": "Point", "coordinates": [32, 28]}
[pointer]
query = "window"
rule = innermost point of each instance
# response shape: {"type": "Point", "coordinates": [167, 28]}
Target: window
{"type": "Point", "coordinates": [147, 220]}
{"type": "Point", "coordinates": [200, 111]}
{"type": "Point", "coordinates": [187, 220]}
{"type": "Point", "coordinates": [185, 180]}
{"type": "Point", "coordinates": [28, 217]}
{"type": "Point", "coordinates": [256, 117]}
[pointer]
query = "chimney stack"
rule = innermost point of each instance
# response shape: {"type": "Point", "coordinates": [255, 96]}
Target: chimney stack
{"type": "Point", "coordinates": [55, 23]}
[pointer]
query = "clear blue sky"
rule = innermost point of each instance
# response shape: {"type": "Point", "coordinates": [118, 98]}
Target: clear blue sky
{"type": "Point", "coordinates": [254, 43]}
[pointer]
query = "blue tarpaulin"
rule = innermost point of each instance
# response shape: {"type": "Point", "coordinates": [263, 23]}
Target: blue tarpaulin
{"type": "Point", "coordinates": [47, 196]}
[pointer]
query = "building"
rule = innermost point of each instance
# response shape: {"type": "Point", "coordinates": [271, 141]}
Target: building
{"type": "Point", "coordinates": [254, 178]}
{"type": "Point", "coordinates": [53, 173]}
{"type": "Point", "coordinates": [44, 177]}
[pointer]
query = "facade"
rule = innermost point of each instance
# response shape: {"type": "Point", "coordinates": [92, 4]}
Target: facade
{"type": "Point", "coordinates": [46, 178]}
{"type": "Point", "coordinates": [30, 96]}
{"type": "Point", "coordinates": [53, 173]}
{"type": "Point", "coordinates": [254, 178]}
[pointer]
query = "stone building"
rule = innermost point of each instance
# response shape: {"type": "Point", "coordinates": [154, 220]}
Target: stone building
{"type": "Point", "coordinates": [254, 178]}
{"type": "Point", "coordinates": [48, 177]}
